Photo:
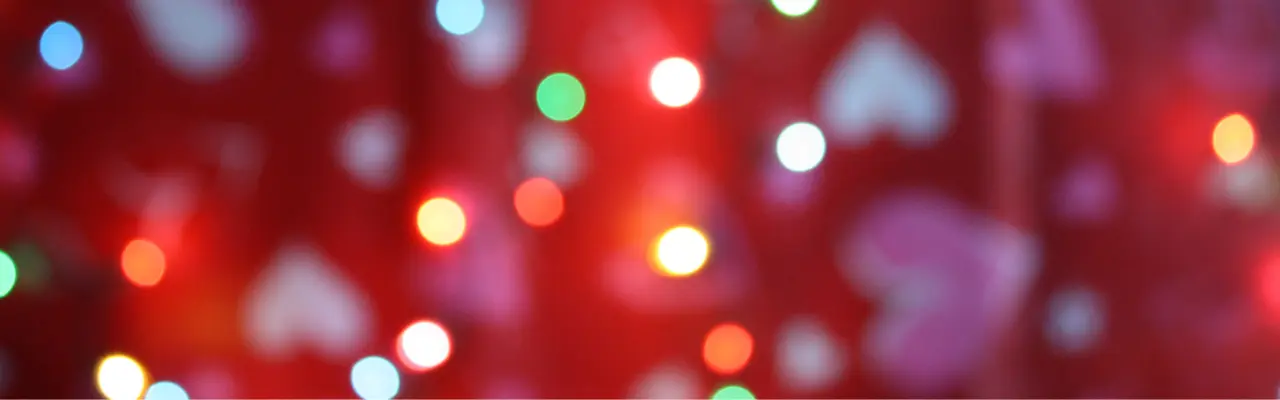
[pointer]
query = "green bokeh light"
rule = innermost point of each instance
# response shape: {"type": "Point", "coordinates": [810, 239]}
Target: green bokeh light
{"type": "Point", "coordinates": [8, 274]}
{"type": "Point", "coordinates": [794, 8]}
{"type": "Point", "coordinates": [560, 97]}
{"type": "Point", "coordinates": [733, 392]}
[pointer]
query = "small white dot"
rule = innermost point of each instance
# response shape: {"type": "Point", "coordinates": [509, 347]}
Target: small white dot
{"type": "Point", "coordinates": [801, 147]}
{"type": "Point", "coordinates": [675, 82]}
{"type": "Point", "coordinates": [375, 378]}
{"type": "Point", "coordinates": [460, 17]}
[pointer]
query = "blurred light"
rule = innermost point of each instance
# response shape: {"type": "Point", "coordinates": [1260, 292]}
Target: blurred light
{"type": "Point", "coordinates": [553, 151]}
{"type": "Point", "coordinates": [1074, 320]}
{"type": "Point", "coordinates": [423, 345]}
{"type": "Point", "coordinates": [375, 378]}
{"type": "Point", "coordinates": [121, 377]}
{"type": "Point", "coordinates": [681, 251]}
{"type": "Point", "coordinates": [727, 348]}
{"type": "Point", "coordinates": [733, 392]}
{"type": "Point", "coordinates": [539, 202]}
{"type": "Point", "coordinates": [8, 274]}
{"type": "Point", "coordinates": [460, 17]}
{"type": "Point", "coordinates": [801, 147]}
{"type": "Point", "coordinates": [371, 148]}
{"type": "Point", "coordinates": [166, 390]}
{"type": "Point", "coordinates": [808, 358]}
{"type": "Point", "coordinates": [667, 381]}
{"type": "Point", "coordinates": [61, 45]}
{"type": "Point", "coordinates": [794, 8]}
{"type": "Point", "coordinates": [675, 82]}
{"type": "Point", "coordinates": [441, 221]}
{"type": "Point", "coordinates": [1233, 138]}
{"type": "Point", "coordinates": [560, 97]}
{"type": "Point", "coordinates": [143, 263]}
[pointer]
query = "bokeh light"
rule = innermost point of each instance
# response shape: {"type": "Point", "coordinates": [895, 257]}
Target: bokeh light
{"type": "Point", "coordinates": [8, 274]}
{"type": "Point", "coordinates": [681, 251]}
{"type": "Point", "coordinates": [800, 147]}
{"type": "Point", "coordinates": [733, 392]}
{"type": "Point", "coordinates": [375, 378]}
{"type": "Point", "coordinates": [727, 348]}
{"type": "Point", "coordinates": [1233, 139]}
{"type": "Point", "coordinates": [460, 17]}
{"type": "Point", "coordinates": [539, 202]}
{"type": "Point", "coordinates": [560, 97]}
{"type": "Point", "coordinates": [441, 221]}
{"type": "Point", "coordinates": [143, 262]}
{"type": "Point", "coordinates": [61, 45]}
{"type": "Point", "coordinates": [675, 82]}
{"type": "Point", "coordinates": [423, 345]}
{"type": "Point", "coordinates": [166, 390]}
{"type": "Point", "coordinates": [794, 8]}
{"type": "Point", "coordinates": [120, 377]}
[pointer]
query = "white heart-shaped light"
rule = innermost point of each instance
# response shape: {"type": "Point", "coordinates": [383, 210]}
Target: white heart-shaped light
{"type": "Point", "coordinates": [300, 300]}
{"type": "Point", "coordinates": [370, 148]}
{"type": "Point", "coordinates": [1074, 319]}
{"type": "Point", "coordinates": [554, 152]}
{"type": "Point", "coordinates": [670, 380]}
{"type": "Point", "coordinates": [809, 359]}
{"type": "Point", "coordinates": [882, 82]}
{"type": "Point", "coordinates": [486, 56]}
{"type": "Point", "coordinates": [200, 39]}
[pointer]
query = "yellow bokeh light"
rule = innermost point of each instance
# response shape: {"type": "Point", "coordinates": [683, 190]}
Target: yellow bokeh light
{"type": "Point", "coordinates": [1233, 139]}
{"type": "Point", "coordinates": [121, 377]}
{"type": "Point", "coordinates": [681, 251]}
{"type": "Point", "coordinates": [441, 221]}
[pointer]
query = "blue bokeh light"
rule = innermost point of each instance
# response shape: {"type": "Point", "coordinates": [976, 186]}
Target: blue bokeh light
{"type": "Point", "coordinates": [61, 45]}
{"type": "Point", "coordinates": [460, 17]}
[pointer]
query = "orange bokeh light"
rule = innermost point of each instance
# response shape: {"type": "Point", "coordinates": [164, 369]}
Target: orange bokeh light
{"type": "Point", "coordinates": [441, 221]}
{"type": "Point", "coordinates": [142, 262]}
{"type": "Point", "coordinates": [727, 348]}
{"type": "Point", "coordinates": [539, 202]}
{"type": "Point", "coordinates": [1233, 139]}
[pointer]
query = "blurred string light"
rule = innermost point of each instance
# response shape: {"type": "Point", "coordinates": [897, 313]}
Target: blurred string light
{"type": "Point", "coordinates": [800, 147]}
{"type": "Point", "coordinates": [539, 202]}
{"type": "Point", "coordinates": [794, 8]}
{"type": "Point", "coordinates": [441, 221]}
{"type": "Point", "coordinates": [560, 97]}
{"type": "Point", "coordinates": [8, 274]}
{"type": "Point", "coordinates": [727, 348]}
{"type": "Point", "coordinates": [166, 390]}
{"type": "Point", "coordinates": [1233, 138]}
{"type": "Point", "coordinates": [120, 377]}
{"type": "Point", "coordinates": [675, 82]}
{"type": "Point", "coordinates": [143, 263]}
{"type": "Point", "coordinates": [375, 378]}
{"type": "Point", "coordinates": [460, 17]}
{"type": "Point", "coordinates": [681, 251]}
{"type": "Point", "coordinates": [61, 45]}
{"type": "Point", "coordinates": [423, 345]}
{"type": "Point", "coordinates": [733, 392]}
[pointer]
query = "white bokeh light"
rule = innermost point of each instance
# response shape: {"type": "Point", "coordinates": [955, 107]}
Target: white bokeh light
{"type": "Point", "coordinates": [1074, 320]}
{"type": "Point", "coordinates": [682, 250]}
{"type": "Point", "coordinates": [120, 377]}
{"type": "Point", "coordinates": [424, 345]}
{"type": "Point", "coordinates": [370, 148]}
{"type": "Point", "coordinates": [553, 151]}
{"type": "Point", "coordinates": [200, 39]}
{"type": "Point", "coordinates": [165, 390]}
{"type": "Point", "coordinates": [801, 147]}
{"type": "Point", "coordinates": [675, 82]}
{"type": "Point", "coordinates": [794, 8]}
{"type": "Point", "coordinates": [460, 17]}
{"type": "Point", "coordinates": [375, 378]}
{"type": "Point", "coordinates": [809, 359]}
{"type": "Point", "coordinates": [489, 54]}
{"type": "Point", "coordinates": [667, 381]}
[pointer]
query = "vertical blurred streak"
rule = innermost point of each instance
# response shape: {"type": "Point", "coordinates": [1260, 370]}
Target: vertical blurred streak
{"type": "Point", "coordinates": [1013, 122]}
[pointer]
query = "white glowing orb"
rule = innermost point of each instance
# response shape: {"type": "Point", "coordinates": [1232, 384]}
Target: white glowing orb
{"type": "Point", "coordinates": [424, 345]}
{"type": "Point", "coordinates": [460, 17]}
{"type": "Point", "coordinates": [675, 82]}
{"type": "Point", "coordinates": [801, 147]}
{"type": "Point", "coordinates": [1075, 319]}
{"type": "Point", "coordinates": [375, 378]}
{"type": "Point", "coordinates": [120, 378]}
{"type": "Point", "coordinates": [794, 8]}
{"type": "Point", "coordinates": [682, 251]}
{"type": "Point", "coordinates": [165, 390]}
